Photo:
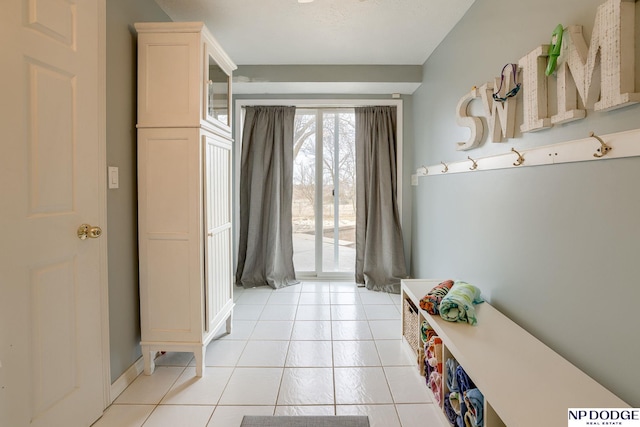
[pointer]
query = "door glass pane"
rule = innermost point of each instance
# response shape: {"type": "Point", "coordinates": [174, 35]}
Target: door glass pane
{"type": "Point", "coordinates": [338, 191]}
{"type": "Point", "coordinates": [304, 188]}
{"type": "Point", "coordinates": [323, 208]}
{"type": "Point", "coordinates": [217, 93]}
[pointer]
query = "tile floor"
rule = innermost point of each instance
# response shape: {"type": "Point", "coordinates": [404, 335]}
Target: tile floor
{"type": "Point", "coordinates": [327, 348]}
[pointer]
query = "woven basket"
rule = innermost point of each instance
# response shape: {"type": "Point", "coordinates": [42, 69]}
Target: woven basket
{"type": "Point", "coordinates": [411, 325]}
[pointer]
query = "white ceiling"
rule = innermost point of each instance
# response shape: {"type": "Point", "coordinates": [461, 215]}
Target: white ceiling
{"type": "Point", "coordinates": [338, 32]}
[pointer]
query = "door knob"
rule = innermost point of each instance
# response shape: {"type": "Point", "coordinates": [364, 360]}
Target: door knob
{"type": "Point", "coordinates": [86, 230]}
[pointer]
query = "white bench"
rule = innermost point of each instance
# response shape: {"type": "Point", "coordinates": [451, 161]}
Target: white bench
{"type": "Point", "coordinates": [524, 382]}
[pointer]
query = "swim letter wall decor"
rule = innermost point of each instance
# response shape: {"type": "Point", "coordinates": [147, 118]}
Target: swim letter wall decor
{"type": "Point", "coordinates": [598, 76]}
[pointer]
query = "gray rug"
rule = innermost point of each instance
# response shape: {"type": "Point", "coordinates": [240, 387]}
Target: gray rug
{"type": "Point", "coordinates": [305, 421]}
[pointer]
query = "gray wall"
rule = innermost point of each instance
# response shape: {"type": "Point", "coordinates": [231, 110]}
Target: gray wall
{"type": "Point", "coordinates": [553, 247]}
{"type": "Point", "coordinates": [124, 308]}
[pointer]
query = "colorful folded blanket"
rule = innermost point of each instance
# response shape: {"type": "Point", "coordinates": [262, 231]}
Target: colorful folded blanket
{"type": "Point", "coordinates": [428, 368]}
{"type": "Point", "coordinates": [431, 301]}
{"type": "Point", "coordinates": [452, 382]}
{"type": "Point", "coordinates": [464, 382]}
{"type": "Point", "coordinates": [461, 408]}
{"type": "Point", "coordinates": [455, 401]}
{"type": "Point", "coordinates": [457, 304]}
{"type": "Point", "coordinates": [434, 353]}
{"type": "Point", "coordinates": [474, 401]}
{"type": "Point", "coordinates": [435, 384]}
{"type": "Point", "coordinates": [467, 420]}
{"type": "Point", "coordinates": [448, 410]}
{"type": "Point", "coordinates": [426, 331]}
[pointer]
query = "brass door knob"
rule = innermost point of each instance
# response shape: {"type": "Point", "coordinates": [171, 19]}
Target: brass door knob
{"type": "Point", "coordinates": [86, 230]}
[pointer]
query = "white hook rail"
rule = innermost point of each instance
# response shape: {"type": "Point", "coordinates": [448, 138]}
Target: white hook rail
{"type": "Point", "coordinates": [592, 148]}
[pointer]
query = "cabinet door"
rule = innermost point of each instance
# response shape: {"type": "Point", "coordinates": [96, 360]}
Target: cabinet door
{"type": "Point", "coordinates": [218, 255]}
{"type": "Point", "coordinates": [168, 74]}
{"type": "Point", "coordinates": [170, 234]}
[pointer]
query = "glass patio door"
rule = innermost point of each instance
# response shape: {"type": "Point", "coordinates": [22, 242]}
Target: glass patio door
{"type": "Point", "coordinates": [324, 193]}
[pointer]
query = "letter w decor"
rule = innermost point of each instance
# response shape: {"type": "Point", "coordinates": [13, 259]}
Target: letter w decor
{"type": "Point", "coordinates": [501, 116]}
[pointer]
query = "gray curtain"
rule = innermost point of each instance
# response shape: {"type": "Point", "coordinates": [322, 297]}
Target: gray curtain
{"type": "Point", "coordinates": [265, 252]}
{"type": "Point", "coordinates": [380, 263]}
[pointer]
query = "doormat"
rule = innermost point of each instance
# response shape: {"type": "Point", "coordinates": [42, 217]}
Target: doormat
{"type": "Point", "coordinates": [305, 421]}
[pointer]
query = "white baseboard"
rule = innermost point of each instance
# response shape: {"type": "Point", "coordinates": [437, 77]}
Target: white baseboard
{"type": "Point", "coordinates": [126, 378]}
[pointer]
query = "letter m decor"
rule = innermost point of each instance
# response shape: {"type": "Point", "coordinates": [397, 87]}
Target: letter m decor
{"type": "Point", "coordinates": [612, 45]}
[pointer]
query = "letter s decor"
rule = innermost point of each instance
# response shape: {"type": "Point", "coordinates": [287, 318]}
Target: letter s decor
{"type": "Point", "coordinates": [473, 123]}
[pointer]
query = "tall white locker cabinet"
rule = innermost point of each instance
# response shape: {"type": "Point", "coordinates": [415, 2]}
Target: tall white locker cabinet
{"type": "Point", "coordinates": [184, 189]}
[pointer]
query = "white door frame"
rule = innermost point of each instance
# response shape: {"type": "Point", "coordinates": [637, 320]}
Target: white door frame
{"type": "Point", "coordinates": [102, 185]}
{"type": "Point", "coordinates": [310, 103]}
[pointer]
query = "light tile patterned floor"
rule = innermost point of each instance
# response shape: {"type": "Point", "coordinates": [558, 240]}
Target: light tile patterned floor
{"type": "Point", "coordinates": [317, 348]}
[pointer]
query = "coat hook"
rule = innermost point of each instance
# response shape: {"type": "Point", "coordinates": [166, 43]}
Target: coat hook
{"type": "Point", "coordinates": [520, 158]}
{"type": "Point", "coordinates": [446, 168]}
{"type": "Point", "coordinates": [604, 149]}
{"type": "Point", "coordinates": [423, 170]}
{"type": "Point", "coordinates": [475, 164]}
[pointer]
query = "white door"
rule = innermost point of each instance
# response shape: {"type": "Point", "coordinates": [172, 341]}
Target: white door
{"type": "Point", "coordinates": [51, 175]}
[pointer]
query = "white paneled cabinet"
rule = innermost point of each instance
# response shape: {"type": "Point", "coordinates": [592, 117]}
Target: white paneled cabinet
{"type": "Point", "coordinates": [184, 189]}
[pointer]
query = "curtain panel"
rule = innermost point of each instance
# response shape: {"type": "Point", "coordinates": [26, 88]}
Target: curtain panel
{"type": "Point", "coordinates": [265, 251]}
{"type": "Point", "coordinates": [380, 261]}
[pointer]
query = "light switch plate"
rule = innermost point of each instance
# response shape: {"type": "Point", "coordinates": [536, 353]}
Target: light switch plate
{"type": "Point", "coordinates": [114, 179]}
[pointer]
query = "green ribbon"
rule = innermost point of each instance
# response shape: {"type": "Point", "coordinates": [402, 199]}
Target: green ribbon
{"type": "Point", "coordinates": [554, 49]}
